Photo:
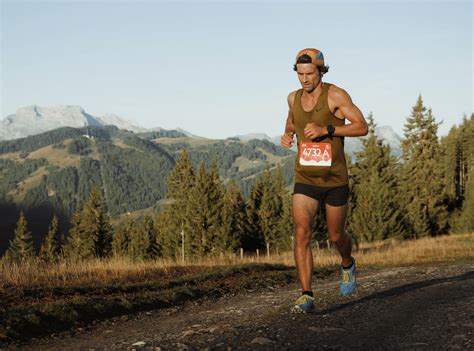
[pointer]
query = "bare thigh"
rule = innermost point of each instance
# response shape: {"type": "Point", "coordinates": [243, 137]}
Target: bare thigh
{"type": "Point", "coordinates": [304, 210]}
{"type": "Point", "coordinates": [336, 221]}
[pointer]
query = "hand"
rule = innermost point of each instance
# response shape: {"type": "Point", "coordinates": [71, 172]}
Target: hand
{"type": "Point", "coordinates": [287, 139]}
{"type": "Point", "coordinates": [312, 131]}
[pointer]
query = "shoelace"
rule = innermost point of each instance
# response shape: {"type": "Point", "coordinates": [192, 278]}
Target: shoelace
{"type": "Point", "coordinates": [347, 277]}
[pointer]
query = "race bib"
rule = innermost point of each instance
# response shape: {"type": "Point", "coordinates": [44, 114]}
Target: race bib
{"type": "Point", "coordinates": [315, 154]}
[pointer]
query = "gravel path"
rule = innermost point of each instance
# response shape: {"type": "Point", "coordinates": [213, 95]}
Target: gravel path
{"type": "Point", "coordinates": [406, 308]}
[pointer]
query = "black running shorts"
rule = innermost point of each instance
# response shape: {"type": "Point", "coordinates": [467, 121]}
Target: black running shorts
{"type": "Point", "coordinates": [333, 196]}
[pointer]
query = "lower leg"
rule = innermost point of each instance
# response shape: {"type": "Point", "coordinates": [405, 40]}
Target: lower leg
{"type": "Point", "coordinates": [336, 222]}
{"type": "Point", "coordinates": [303, 259]}
{"type": "Point", "coordinates": [344, 246]}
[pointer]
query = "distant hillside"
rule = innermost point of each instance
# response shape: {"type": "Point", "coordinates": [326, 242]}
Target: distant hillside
{"type": "Point", "coordinates": [34, 119]}
{"type": "Point", "coordinates": [53, 172]}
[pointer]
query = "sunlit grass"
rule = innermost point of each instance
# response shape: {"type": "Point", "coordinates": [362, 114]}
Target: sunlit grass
{"type": "Point", "coordinates": [125, 271]}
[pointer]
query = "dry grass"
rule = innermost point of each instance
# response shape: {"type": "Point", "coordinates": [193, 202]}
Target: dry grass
{"type": "Point", "coordinates": [123, 271]}
{"type": "Point", "coordinates": [57, 157]}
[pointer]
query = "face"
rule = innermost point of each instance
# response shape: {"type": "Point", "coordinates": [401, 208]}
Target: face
{"type": "Point", "coordinates": [309, 76]}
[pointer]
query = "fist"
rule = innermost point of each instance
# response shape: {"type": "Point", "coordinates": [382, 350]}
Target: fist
{"type": "Point", "coordinates": [312, 131]}
{"type": "Point", "coordinates": [287, 139]}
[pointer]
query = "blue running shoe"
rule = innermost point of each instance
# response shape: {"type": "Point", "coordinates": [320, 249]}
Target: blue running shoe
{"type": "Point", "coordinates": [303, 304]}
{"type": "Point", "coordinates": [348, 283]}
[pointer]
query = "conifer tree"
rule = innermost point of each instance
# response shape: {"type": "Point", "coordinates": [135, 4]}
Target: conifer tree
{"type": "Point", "coordinates": [121, 238]}
{"type": "Point", "coordinates": [232, 219]}
{"type": "Point", "coordinates": [177, 212]}
{"type": "Point", "coordinates": [206, 204]}
{"type": "Point", "coordinates": [424, 196]}
{"type": "Point", "coordinates": [21, 247]}
{"type": "Point", "coordinates": [142, 243]}
{"type": "Point", "coordinates": [286, 227]}
{"type": "Point", "coordinates": [165, 244]}
{"type": "Point", "coordinates": [269, 210]}
{"type": "Point", "coordinates": [90, 235]}
{"type": "Point", "coordinates": [458, 153]}
{"type": "Point", "coordinates": [465, 222]}
{"type": "Point", "coordinates": [51, 248]}
{"type": "Point", "coordinates": [375, 214]}
{"type": "Point", "coordinates": [253, 237]}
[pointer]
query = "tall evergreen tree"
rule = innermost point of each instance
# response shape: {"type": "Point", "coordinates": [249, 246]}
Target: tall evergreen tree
{"type": "Point", "coordinates": [286, 227]}
{"type": "Point", "coordinates": [51, 248]}
{"type": "Point", "coordinates": [90, 235]}
{"type": "Point", "coordinates": [458, 154]}
{"type": "Point", "coordinates": [424, 197]}
{"type": "Point", "coordinates": [121, 238]}
{"type": "Point", "coordinates": [232, 219]}
{"type": "Point", "coordinates": [21, 247]}
{"type": "Point", "coordinates": [269, 210]}
{"type": "Point", "coordinates": [142, 243]}
{"type": "Point", "coordinates": [206, 204]}
{"type": "Point", "coordinates": [253, 237]}
{"type": "Point", "coordinates": [177, 211]}
{"type": "Point", "coordinates": [376, 214]}
{"type": "Point", "coordinates": [465, 223]}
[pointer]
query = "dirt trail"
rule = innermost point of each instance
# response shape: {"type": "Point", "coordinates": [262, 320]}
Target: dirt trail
{"type": "Point", "coordinates": [409, 308]}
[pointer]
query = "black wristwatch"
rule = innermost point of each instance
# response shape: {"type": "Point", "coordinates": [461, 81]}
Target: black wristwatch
{"type": "Point", "coordinates": [331, 130]}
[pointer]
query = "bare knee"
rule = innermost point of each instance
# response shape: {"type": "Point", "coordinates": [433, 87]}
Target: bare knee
{"type": "Point", "coordinates": [338, 238]}
{"type": "Point", "coordinates": [302, 236]}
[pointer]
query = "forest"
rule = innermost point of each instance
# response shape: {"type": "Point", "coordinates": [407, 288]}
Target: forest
{"type": "Point", "coordinates": [205, 210]}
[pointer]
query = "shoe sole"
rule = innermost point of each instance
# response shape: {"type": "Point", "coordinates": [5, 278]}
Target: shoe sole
{"type": "Point", "coordinates": [299, 310]}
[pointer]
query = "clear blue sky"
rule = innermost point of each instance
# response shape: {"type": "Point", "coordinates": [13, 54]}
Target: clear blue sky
{"type": "Point", "coordinates": [219, 69]}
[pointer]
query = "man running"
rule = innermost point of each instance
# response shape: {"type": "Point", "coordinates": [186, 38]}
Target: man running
{"type": "Point", "coordinates": [317, 114]}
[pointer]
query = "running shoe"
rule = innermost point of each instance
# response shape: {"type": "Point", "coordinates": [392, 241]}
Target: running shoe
{"type": "Point", "coordinates": [348, 283]}
{"type": "Point", "coordinates": [303, 304]}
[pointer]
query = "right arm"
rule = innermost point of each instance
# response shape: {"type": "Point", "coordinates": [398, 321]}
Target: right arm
{"type": "Point", "coordinates": [287, 138]}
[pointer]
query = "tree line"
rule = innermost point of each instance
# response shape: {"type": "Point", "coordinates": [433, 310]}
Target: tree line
{"type": "Point", "coordinates": [427, 191]}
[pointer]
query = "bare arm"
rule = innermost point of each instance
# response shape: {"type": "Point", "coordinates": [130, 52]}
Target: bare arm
{"type": "Point", "coordinates": [342, 106]}
{"type": "Point", "coordinates": [341, 103]}
{"type": "Point", "coordinates": [287, 138]}
{"type": "Point", "coordinates": [290, 126]}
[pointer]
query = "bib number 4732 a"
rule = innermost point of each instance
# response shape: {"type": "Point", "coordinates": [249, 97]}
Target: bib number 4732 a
{"type": "Point", "coordinates": [315, 154]}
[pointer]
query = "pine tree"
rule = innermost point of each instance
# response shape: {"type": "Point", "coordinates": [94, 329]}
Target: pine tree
{"type": "Point", "coordinates": [176, 210]}
{"type": "Point", "coordinates": [206, 204]}
{"type": "Point", "coordinates": [90, 235]}
{"type": "Point", "coordinates": [465, 222]}
{"type": "Point", "coordinates": [424, 197]}
{"type": "Point", "coordinates": [142, 243]}
{"type": "Point", "coordinates": [51, 248]}
{"type": "Point", "coordinates": [458, 152]}
{"type": "Point", "coordinates": [286, 226]}
{"type": "Point", "coordinates": [232, 219]}
{"type": "Point", "coordinates": [269, 210]}
{"type": "Point", "coordinates": [375, 214]}
{"type": "Point", "coordinates": [21, 247]}
{"type": "Point", "coordinates": [121, 238]}
{"type": "Point", "coordinates": [253, 237]}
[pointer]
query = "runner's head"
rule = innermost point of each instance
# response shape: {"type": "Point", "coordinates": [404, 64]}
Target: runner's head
{"type": "Point", "coordinates": [311, 56]}
{"type": "Point", "coordinates": [310, 68]}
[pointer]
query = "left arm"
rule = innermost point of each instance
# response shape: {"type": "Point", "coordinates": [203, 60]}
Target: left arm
{"type": "Point", "coordinates": [341, 103]}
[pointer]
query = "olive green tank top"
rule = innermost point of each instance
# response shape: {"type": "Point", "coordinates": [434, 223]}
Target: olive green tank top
{"type": "Point", "coordinates": [324, 176]}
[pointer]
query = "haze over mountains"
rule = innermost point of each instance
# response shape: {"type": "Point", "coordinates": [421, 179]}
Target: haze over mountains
{"type": "Point", "coordinates": [31, 120]}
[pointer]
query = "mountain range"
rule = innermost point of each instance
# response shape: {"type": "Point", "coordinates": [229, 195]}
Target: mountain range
{"type": "Point", "coordinates": [31, 120]}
